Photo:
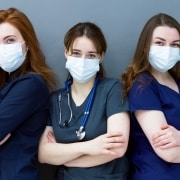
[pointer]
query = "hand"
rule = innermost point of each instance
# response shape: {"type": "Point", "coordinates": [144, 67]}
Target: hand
{"type": "Point", "coordinates": [106, 144]}
{"type": "Point", "coordinates": [5, 139]}
{"type": "Point", "coordinates": [167, 137]}
{"type": "Point", "coordinates": [51, 137]}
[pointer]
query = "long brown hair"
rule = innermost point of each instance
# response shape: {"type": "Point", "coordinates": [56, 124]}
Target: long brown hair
{"type": "Point", "coordinates": [140, 61]}
{"type": "Point", "coordinates": [91, 31]}
{"type": "Point", "coordinates": [35, 59]}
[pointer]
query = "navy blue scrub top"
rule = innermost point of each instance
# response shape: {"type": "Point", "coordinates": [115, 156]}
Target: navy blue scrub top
{"type": "Point", "coordinates": [146, 165]}
{"type": "Point", "coordinates": [24, 111]}
{"type": "Point", "coordinates": [107, 102]}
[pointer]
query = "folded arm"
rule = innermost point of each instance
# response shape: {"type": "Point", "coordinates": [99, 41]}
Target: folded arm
{"type": "Point", "coordinates": [59, 153]}
{"type": "Point", "coordinates": [116, 123]}
{"type": "Point", "coordinates": [163, 138]}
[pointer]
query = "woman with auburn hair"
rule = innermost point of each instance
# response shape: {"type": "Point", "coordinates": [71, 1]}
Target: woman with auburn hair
{"type": "Point", "coordinates": [152, 85]}
{"type": "Point", "coordinates": [24, 96]}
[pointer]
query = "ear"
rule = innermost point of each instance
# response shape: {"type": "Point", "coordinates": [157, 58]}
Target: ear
{"type": "Point", "coordinates": [101, 58]}
{"type": "Point", "coordinates": [65, 53]}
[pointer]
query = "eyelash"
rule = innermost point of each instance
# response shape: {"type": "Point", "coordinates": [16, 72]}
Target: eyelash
{"type": "Point", "coordinates": [10, 41]}
{"type": "Point", "coordinates": [90, 56]}
{"type": "Point", "coordinates": [161, 44]}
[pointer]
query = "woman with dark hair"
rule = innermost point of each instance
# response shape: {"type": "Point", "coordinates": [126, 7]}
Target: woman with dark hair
{"type": "Point", "coordinates": [89, 128]}
{"type": "Point", "coordinates": [24, 96]}
{"type": "Point", "coordinates": [152, 84]}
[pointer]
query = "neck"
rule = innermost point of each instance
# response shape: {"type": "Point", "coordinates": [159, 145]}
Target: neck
{"type": "Point", "coordinates": [80, 91]}
{"type": "Point", "coordinates": [161, 76]}
{"type": "Point", "coordinates": [166, 79]}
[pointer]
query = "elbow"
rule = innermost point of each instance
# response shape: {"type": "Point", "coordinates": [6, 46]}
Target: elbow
{"type": "Point", "coordinates": [169, 159]}
{"type": "Point", "coordinates": [41, 157]}
{"type": "Point", "coordinates": [43, 153]}
{"type": "Point", "coordinates": [121, 151]}
{"type": "Point", "coordinates": [167, 156]}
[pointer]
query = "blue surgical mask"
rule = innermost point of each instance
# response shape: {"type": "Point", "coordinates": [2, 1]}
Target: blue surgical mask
{"type": "Point", "coordinates": [163, 58]}
{"type": "Point", "coordinates": [11, 56]}
{"type": "Point", "coordinates": [82, 70]}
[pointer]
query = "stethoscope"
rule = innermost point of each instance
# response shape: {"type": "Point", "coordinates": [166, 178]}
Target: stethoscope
{"type": "Point", "coordinates": [81, 132]}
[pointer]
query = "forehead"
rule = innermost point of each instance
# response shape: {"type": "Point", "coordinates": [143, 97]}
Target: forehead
{"type": "Point", "coordinates": [6, 29]}
{"type": "Point", "coordinates": [166, 32]}
{"type": "Point", "coordinates": [84, 44]}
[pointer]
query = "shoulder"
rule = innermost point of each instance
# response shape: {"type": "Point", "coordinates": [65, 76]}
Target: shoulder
{"type": "Point", "coordinates": [110, 82]}
{"type": "Point", "coordinates": [144, 86]}
{"type": "Point", "coordinates": [57, 92]}
{"type": "Point", "coordinates": [34, 78]}
{"type": "Point", "coordinates": [30, 83]}
{"type": "Point", "coordinates": [144, 77]}
{"type": "Point", "coordinates": [54, 96]}
{"type": "Point", "coordinates": [143, 81]}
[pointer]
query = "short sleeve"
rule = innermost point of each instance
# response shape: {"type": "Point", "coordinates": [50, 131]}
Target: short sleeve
{"type": "Point", "coordinates": [144, 96]}
{"type": "Point", "coordinates": [19, 100]}
{"type": "Point", "coordinates": [115, 103]}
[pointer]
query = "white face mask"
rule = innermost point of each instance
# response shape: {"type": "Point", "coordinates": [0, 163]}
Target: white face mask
{"type": "Point", "coordinates": [82, 70]}
{"type": "Point", "coordinates": [163, 58]}
{"type": "Point", "coordinates": [11, 56]}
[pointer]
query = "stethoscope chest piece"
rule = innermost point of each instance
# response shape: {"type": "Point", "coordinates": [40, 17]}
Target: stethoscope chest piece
{"type": "Point", "coordinates": [81, 133]}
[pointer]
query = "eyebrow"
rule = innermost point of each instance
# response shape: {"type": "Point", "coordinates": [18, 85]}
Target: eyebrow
{"type": "Point", "coordinates": [165, 40]}
{"type": "Point", "coordinates": [94, 52]}
{"type": "Point", "coordinates": [9, 36]}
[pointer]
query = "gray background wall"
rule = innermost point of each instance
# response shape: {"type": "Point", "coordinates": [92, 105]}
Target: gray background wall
{"type": "Point", "coordinates": [120, 20]}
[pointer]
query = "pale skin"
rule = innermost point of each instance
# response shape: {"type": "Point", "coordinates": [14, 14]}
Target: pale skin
{"type": "Point", "coordinates": [5, 139]}
{"type": "Point", "coordinates": [164, 138]}
{"type": "Point", "coordinates": [106, 147]}
{"type": "Point", "coordinates": [10, 35]}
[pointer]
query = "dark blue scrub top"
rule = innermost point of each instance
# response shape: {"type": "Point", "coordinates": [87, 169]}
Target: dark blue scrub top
{"type": "Point", "coordinates": [107, 101]}
{"type": "Point", "coordinates": [145, 164]}
{"type": "Point", "coordinates": [24, 110]}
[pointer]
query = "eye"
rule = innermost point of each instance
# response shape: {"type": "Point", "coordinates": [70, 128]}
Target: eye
{"type": "Point", "coordinates": [76, 54]}
{"type": "Point", "coordinates": [10, 41]}
{"type": "Point", "coordinates": [175, 45]}
{"type": "Point", "coordinates": [159, 43]}
{"type": "Point", "coordinates": [92, 56]}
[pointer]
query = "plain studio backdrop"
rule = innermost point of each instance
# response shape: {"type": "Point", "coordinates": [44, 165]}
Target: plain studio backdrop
{"type": "Point", "coordinates": [120, 20]}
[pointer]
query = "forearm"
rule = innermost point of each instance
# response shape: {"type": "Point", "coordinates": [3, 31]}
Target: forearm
{"type": "Point", "coordinates": [90, 161]}
{"type": "Point", "coordinates": [170, 155]}
{"type": "Point", "coordinates": [167, 143]}
{"type": "Point", "coordinates": [57, 153]}
{"type": "Point", "coordinates": [95, 160]}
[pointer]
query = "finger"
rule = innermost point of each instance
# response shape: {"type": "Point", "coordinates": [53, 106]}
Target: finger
{"type": "Point", "coordinates": [51, 138]}
{"type": "Point", "coordinates": [158, 135]}
{"type": "Point", "coordinates": [119, 139]}
{"type": "Point", "coordinates": [113, 145]}
{"type": "Point", "coordinates": [166, 146]}
{"type": "Point", "coordinates": [113, 134]}
{"type": "Point", "coordinates": [162, 143]}
{"type": "Point", "coordinates": [5, 139]}
{"type": "Point", "coordinates": [164, 126]}
{"type": "Point", "coordinates": [109, 152]}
